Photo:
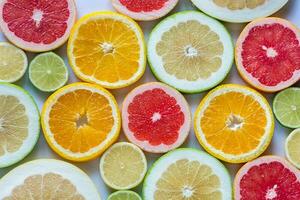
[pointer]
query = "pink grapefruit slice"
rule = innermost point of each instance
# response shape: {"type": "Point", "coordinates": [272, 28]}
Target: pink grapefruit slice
{"type": "Point", "coordinates": [267, 178]}
{"type": "Point", "coordinates": [37, 26]}
{"type": "Point", "coordinates": [268, 54]}
{"type": "Point", "coordinates": [156, 117]}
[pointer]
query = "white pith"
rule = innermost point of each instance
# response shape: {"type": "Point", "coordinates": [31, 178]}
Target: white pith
{"type": "Point", "coordinates": [288, 139]}
{"type": "Point", "coordinates": [37, 16]}
{"type": "Point", "coordinates": [271, 193]}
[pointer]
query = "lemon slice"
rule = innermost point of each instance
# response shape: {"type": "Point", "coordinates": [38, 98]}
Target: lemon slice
{"type": "Point", "coordinates": [124, 195]}
{"type": "Point", "coordinates": [292, 147]}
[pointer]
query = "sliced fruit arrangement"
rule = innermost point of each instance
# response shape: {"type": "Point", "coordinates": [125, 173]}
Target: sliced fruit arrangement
{"type": "Point", "coordinates": [201, 56]}
{"type": "Point", "coordinates": [108, 49]}
{"type": "Point", "coordinates": [124, 195]}
{"type": "Point", "coordinates": [268, 177]}
{"type": "Point", "coordinates": [268, 54]}
{"type": "Point", "coordinates": [47, 179]}
{"type": "Point", "coordinates": [37, 25]}
{"type": "Point", "coordinates": [234, 123]}
{"type": "Point", "coordinates": [187, 174]}
{"type": "Point", "coordinates": [19, 124]}
{"type": "Point", "coordinates": [156, 117]}
{"type": "Point", "coordinates": [80, 121]}
{"type": "Point", "coordinates": [292, 148]}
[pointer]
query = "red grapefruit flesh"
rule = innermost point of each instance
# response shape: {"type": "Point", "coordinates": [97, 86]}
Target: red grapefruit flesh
{"type": "Point", "coordinates": [268, 54]}
{"type": "Point", "coordinates": [37, 26]}
{"type": "Point", "coordinates": [267, 178]}
{"type": "Point", "coordinates": [156, 117]}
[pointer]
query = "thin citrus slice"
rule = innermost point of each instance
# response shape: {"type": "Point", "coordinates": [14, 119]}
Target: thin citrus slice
{"type": "Point", "coordinates": [48, 72]}
{"type": "Point", "coordinates": [123, 166]}
{"type": "Point", "coordinates": [292, 148]}
{"type": "Point", "coordinates": [234, 123]}
{"type": "Point", "coordinates": [185, 174]}
{"type": "Point", "coordinates": [80, 121]}
{"type": "Point", "coordinates": [124, 195]}
{"type": "Point", "coordinates": [108, 49]}
{"type": "Point", "coordinates": [19, 124]}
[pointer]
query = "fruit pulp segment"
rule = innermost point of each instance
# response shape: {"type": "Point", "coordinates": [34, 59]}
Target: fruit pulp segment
{"type": "Point", "coordinates": [239, 5]}
{"type": "Point", "coordinates": [143, 6]}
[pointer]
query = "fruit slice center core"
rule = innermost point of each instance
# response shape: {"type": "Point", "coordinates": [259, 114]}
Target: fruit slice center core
{"type": "Point", "coordinates": [156, 116]}
{"type": "Point", "coordinates": [190, 51]}
{"type": "Point", "coordinates": [234, 122]}
{"type": "Point", "coordinates": [187, 192]}
{"type": "Point", "coordinates": [1, 124]}
{"type": "Point", "coordinates": [37, 16]}
{"type": "Point", "coordinates": [271, 52]}
{"type": "Point", "coordinates": [107, 48]}
{"type": "Point", "coordinates": [293, 107]}
{"type": "Point", "coordinates": [271, 193]}
{"type": "Point", "coordinates": [82, 121]}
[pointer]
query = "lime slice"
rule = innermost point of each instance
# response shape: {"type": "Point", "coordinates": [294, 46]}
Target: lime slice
{"type": "Point", "coordinates": [48, 72]}
{"type": "Point", "coordinates": [13, 63]}
{"type": "Point", "coordinates": [292, 148]}
{"type": "Point", "coordinates": [124, 195]}
{"type": "Point", "coordinates": [286, 107]}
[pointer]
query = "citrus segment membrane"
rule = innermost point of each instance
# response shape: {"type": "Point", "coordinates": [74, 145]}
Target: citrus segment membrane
{"type": "Point", "coordinates": [292, 147]}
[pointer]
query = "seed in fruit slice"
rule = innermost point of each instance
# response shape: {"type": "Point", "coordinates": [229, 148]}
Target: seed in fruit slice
{"type": "Point", "coordinates": [268, 54]}
{"type": "Point", "coordinates": [80, 121]}
{"type": "Point", "coordinates": [268, 177]}
{"type": "Point", "coordinates": [156, 117]}
{"type": "Point", "coordinates": [201, 56]}
{"type": "Point", "coordinates": [19, 124]}
{"type": "Point", "coordinates": [47, 179]}
{"type": "Point", "coordinates": [123, 166]}
{"type": "Point", "coordinates": [292, 147]}
{"type": "Point", "coordinates": [124, 195]}
{"type": "Point", "coordinates": [108, 49]}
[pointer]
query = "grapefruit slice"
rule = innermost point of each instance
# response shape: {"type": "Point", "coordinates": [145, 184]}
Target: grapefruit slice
{"type": "Point", "coordinates": [268, 54]}
{"type": "Point", "coordinates": [37, 25]}
{"type": "Point", "coordinates": [144, 10]}
{"type": "Point", "coordinates": [156, 117]}
{"type": "Point", "coordinates": [267, 178]}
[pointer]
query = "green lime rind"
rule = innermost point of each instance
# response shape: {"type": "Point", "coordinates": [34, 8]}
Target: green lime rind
{"type": "Point", "coordinates": [124, 195]}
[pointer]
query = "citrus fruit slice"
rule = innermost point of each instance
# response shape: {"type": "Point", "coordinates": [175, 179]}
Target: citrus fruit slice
{"type": "Point", "coordinates": [13, 63]}
{"type": "Point", "coordinates": [124, 195]}
{"type": "Point", "coordinates": [144, 10]}
{"type": "Point", "coordinates": [47, 179]}
{"type": "Point", "coordinates": [201, 56]}
{"type": "Point", "coordinates": [268, 54]}
{"type": "Point", "coordinates": [108, 49]}
{"type": "Point", "coordinates": [123, 166]}
{"type": "Point", "coordinates": [187, 174]}
{"type": "Point", "coordinates": [19, 124]}
{"type": "Point", "coordinates": [268, 177]}
{"type": "Point", "coordinates": [80, 121]}
{"type": "Point", "coordinates": [292, 147]}
{"type": "Point", "coordinates": [48, 72]}
{"type": "Point", "coordinates": [156, 117]}
{"type": "Point", "coordinates": [237, 11]}
{"type": "Point", "coordinates": [286, 107]}
{"type": "Point", "coordinates": [234, 123]}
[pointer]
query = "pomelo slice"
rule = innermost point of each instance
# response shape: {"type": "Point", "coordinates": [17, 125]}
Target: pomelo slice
{"type": "Point", "coordinates": [201, 56]}
{"type": "Point", "coordinates": [269, 178]}
{"type": "Point", "coordinates": [37, 25]}
{"type": "Point", "coordinates": [187, 174]}
{"type": "Point", "coordinates": [156, 117]}
{"type": "Point", "coordinates": [124, 195]}
{"type": "Point", "coordinates": [47, 179]}
{"type": "Point", "coordinates": [19, 124]}
{"type": "Point", "coordinates": [268, 54]}
{"type": "Point", "coordinates": [292, 147]}
{"type": "Point", "coordinates": [144, 10]}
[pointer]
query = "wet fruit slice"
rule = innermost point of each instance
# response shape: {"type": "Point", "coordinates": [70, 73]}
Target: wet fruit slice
{"type": "Point", "coordinates": [201, 56]}
{"type": "Point", "coordinates": [268, 177]}
{"type": "Point", "coordinates": [37, 25]}
{"type": "Point", "coordinates": [13, 63]}
{"type": "Point", "coordinates": [156, 117]}
{"type": "Point", "coordinates": [292, 148]}
{"type": "Point", "coordinates": [19, 124]}
{"type": "Point", "coordinates": [286, 107]}
{"type": "Point", "coordinates": [239, 11]}
{"type": "Point", "coordinates": [80, 121]}
{"type": "Point", "coordinates": [47, 179]}
{"type": "Point", "coordinates": [124, 195]}
{"type": "Point", "coordinates": [144, 10]}
{"type": "Point", "coordinates": [234, 123]}
{"type": "Point", "coordinates": [268, 54]}
{"type": "Point", "coordinates": [123, 166]}
{"type": "Point", "coordinates": [187, 174]}
{"type": "Point", "coordinates": [108, 49]}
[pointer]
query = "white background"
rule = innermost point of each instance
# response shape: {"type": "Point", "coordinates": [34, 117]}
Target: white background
{"type": "Point", "coordinates": [291, 11]}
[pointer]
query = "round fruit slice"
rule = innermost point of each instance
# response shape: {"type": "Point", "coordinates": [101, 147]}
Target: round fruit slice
{"type": "Point", "coordinates": [124, 195]}
{"type": "Point", "coordinates": [292, 148]}
{"type": "Point", "coordinates": [268, 54]}
{"type": "Point", "coordinates": [201, 56]}
{"type": "Point", "coordinates": [187, 174]}
{"type": "Point", "coordinates": [47, 179]}
{"type": "Point", "coordinates": [156, 117]}
{"type": "Point", "coordinates": [144, 10]}
{"type": "Point", "coordinates": [239, 11]}
{"type": "Point", "coordinates": [268, 177]}
{"type": "Point", "coordinates": [48, 72]}
{"type": "Point", "coordinates": [234, 123]}
{"type": "Point", "coordinates": [108, 49]}
{"type": "Point", "coordinates": [19, 124]}
{"type": "Point", "coordinates": [286, 107]}
{"type": "Point", "coordinates": [13, 63]}
{"type": "Point", "coordinates": [80, 121]}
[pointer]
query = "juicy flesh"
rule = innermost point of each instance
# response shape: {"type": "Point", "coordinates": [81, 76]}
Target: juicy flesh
{"type": "Point", "coordinates": [143, 6]}
{"type": "Point", "coordinates": [239, 4]}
